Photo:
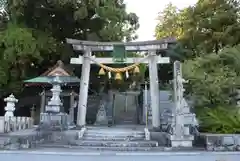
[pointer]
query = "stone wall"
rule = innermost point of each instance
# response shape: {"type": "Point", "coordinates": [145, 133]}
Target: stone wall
{"type": "Point", "coordinates": [165, 102]}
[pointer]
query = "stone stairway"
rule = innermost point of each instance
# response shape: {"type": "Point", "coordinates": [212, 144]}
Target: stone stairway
{"type": "Point", "coordinates": [110, 139]}
{"type": "Point", "coordinates": [115, 138]}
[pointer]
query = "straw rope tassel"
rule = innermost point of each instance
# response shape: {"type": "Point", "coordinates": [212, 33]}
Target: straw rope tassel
{"type": "Point", "coordinates": [118, 76]}
{"type": "Point", "coordinates": [101, 72]}
{"type": "Point", "coordinates": [136, 70]}
{"type": "Point", "coordinates": [109, 75]}
{"type": "Point", "coordinates": [127, 74]}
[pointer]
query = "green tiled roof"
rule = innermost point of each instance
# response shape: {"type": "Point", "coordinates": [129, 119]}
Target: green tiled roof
{"type": "Point", "coordinates": [48, 79]}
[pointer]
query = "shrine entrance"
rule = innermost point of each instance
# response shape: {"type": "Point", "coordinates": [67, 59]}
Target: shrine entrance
{"type": "Point", "coordinates": [120, 114]}
{"type": "Point", "coordinates": [126, 109]}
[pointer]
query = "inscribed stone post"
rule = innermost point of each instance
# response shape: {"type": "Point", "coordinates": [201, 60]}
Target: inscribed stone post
{"type": "Point", "coordinates": [178, 99]}
{"type": "Point", "coordinates": [180, 136]}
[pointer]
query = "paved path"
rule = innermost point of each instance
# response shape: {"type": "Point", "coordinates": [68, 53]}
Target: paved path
{"type": "Point", "coordinates": [105, 156]}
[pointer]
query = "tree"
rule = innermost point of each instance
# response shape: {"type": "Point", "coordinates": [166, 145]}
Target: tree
{"type": "Point", "coordinates": [213, 78]}
{"type": "Point", "coordinates": [211, 25]}
{"type": "Point", "coordinates": [19, 52]}
{"type": "Point", "coordinates": [88, 19]}
{"type": "Point", "coordinates": [204, 28]}
{"type": "Point", "coordinates": [33, 38]}
{"type": "Point", "coordinates": [169, 23]}
{"type": "Point", "coordinates": [209, 38]}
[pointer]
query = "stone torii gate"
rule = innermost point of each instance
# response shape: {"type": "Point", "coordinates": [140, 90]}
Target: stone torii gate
{"type": "Point", "coordinates": [87, 59]}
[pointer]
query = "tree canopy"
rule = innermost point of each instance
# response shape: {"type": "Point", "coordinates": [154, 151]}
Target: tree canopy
{"type": "Point", "coordinates": [170, 22]}
{"type": "Point", "coordinates": [33, 33]}
{"type": "Point", "coordinates": [203, 28]}
{"type": "Point", "coordinates": [208, 35]}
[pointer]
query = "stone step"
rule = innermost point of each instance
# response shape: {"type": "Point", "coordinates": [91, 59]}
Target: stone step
{"type": "Point", "coordinates": [113, 138]}
{"type": "Point", "coordinates": [100, 148]}
{"type": "Point", "coordinates": [114, 132]}
{"type": "Point", "coordinates": [4, 139]}
{"type": "Point", "coordinates": [113, 135]}
{"type": "Point", "coordinates": [2, 142]}
{"type": "Point", "coordinates": [115, 143]}
{"type": "Point", "coordinates": [117, 131]}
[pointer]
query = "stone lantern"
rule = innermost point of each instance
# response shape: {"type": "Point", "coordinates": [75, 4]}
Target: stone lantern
{"type": "Point", "coordinates": [54, 118]}
{"type": "Point", "coordinates": [55, 103]}
{"type": "Point", "coordinates": [10, 107]}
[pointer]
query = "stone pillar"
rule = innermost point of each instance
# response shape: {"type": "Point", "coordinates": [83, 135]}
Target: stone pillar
{"type": "Point", "coordinates": [10, 107]}
{"type": "Point", "coordinates": [178, 96]}
{"type": "Point", "coordinates": [33, 113]}
{"type": "Point", "coordinates": [110, 110]}
{"type": "Point", "coordinates": [72, 107]}
{"type": "Point", "coordinates": [180, 136]}
{"type": "Point", "coordinates": [43, 97]}
{"type": "Point", "coordinates": [147, 112]}
{"type": "Point", "coordinates": [83, 92]}
{"type": "Point", "coordinates": [154, 90]}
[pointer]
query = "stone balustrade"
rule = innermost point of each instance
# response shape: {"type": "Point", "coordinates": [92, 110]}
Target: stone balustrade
{"type": "Point", "coordinates": [221, 142]}
{"type": "Point", "coordinates": [11, 124]}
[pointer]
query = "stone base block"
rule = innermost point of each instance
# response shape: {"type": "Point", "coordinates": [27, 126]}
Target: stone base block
{"type": "Point", "coordinates": [81, 133]}
{"type": "Point", "coordinates": [147, 134]}
{"type": "Point", "coordinates": [186, 141]}
{"type": "Point", "coordinates": [2, 124]}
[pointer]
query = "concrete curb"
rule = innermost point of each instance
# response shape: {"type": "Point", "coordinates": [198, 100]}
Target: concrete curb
{"type": "Point", "coordinates": [118, 153]}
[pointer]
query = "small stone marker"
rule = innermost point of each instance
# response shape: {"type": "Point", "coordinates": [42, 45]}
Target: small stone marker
{"type": "Point", "coordinates": [102, 116]}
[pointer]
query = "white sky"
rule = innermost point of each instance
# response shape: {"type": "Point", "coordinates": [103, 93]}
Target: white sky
{"type": "Point", "coordinates": [147, 12]}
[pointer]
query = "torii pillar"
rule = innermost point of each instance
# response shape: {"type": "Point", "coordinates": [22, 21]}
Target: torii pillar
{"type": "Point", "coordinates": [154, 90]}
{"type": "Point", "coordinates": [83, 92]}
{"type": "Point", "coordinates": [150, 46]}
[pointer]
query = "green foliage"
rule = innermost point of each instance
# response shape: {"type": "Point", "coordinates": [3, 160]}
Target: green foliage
{"type": "Point", "coordinates": [212, 78]}
{"type": "Point", "coordinates": [220, 120]}
{"type": "Point", "coordinates": [170, 23]}
{"type": "Point", "coordinates": [231, 57]}
{"type": "Point", "coordinates": [211, 25]}
{"type": "Point", "coordinates": [96, 20]}
{"type": "Point", "coordinates": [33, 33]}
{"type": "Point", "coordinates": [203, 28]}
{"type": "Point", "coordinates": [19, 45]}
{"type": "Point", "coordinates": [20, 52]}
{"type": "Point", "coordinates": [208, 35]}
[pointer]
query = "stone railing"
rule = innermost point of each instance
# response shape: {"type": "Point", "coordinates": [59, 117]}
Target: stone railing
{"type": "Point", "coordinates": [221, 142]}
{"type": "Point", "coordinates": [11, 124]}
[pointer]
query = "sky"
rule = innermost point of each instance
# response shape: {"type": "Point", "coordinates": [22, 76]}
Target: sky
{"type": "Point", "coordinates": [147, 12]}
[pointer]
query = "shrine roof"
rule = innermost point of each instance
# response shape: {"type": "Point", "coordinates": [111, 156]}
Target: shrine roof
{"type": "Point", "coordinates": [48, 79]}
{"type": "Point", "coordinates": [58, 69]}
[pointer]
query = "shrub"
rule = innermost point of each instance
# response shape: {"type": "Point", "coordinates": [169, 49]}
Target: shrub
{"type": "Point", "coordinates": [220, 120]}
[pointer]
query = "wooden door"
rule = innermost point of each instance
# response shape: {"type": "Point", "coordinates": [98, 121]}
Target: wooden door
{"type": "Point", "coordinates": [125, 109]}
